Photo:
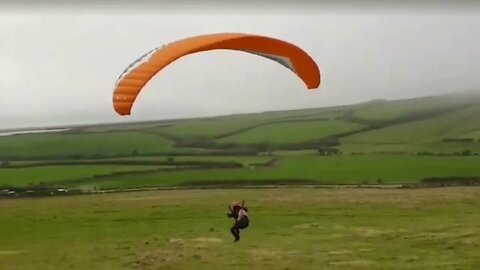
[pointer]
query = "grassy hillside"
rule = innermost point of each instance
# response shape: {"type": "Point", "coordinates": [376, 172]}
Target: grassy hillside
{"type": "Point", "coordinates": [456, 124]}
{"type": "Point", "coordinates": [228, 126]}
{"type": "Point", "coordinates": [36, 175]}
{"type": "Point", "coordinates": [206, 128]}
{"type": "Point", "coordinates": [291, 132]}
{"type": "Point", "coordinates": [413, 122]}
{"type": "Point", "coordinates": [368, 169]}
{"type": "Point", "coordinates": [427, 134]}
{"type": "Point", "coordinates": [107, 144]}
{"type": "Point", "coordinates": [382, 111]}
{"type": "Point", "coordinates": [290, 229]}
{"type": "Point", "coordinates": [241, 147]}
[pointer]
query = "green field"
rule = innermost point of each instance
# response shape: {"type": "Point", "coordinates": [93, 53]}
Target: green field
{"type": "Point", "coordinates": [226, 125]}
{"type": "Point", "coordinates": [20, 177]}
{"type": "Point", "coordinates": [383, 144]}
{"type": "Point", "coordinates": [362, 169]}
{"type": "Point", "coordinates": [117, 143]}
{"type": "Point", "coordinates": [389, 110]}
{"type": "Point", "coordinates": [453, 125]}
{"type": "Point", "coordinates": [290, 229]}
{"type": "Point", "coordinates": [380, 142]}
{"type": "Point", "coordinates": [245, 160]}
{"type": "Point", "coordinates": [290, 133]}
{"type": "Point", "coordinates": [422, 135]}
{"type": "Point", "coordinates": [368, 169]}
{"type": "Point", "coordinates": [206, 128]}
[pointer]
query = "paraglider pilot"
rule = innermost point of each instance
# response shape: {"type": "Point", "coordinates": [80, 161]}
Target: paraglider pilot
{"type": "Point", "coordinates": [241, 221]}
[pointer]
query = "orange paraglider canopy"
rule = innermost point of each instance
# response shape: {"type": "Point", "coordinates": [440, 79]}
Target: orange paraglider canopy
{"type": "Point", "coordinates": [137, 74]}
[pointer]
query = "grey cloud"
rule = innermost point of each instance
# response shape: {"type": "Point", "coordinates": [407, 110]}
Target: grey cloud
{"type": "Point", "coordinates": [59, 66]}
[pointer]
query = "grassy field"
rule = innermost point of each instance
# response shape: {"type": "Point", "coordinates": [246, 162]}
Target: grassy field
{"type": "Point", "coordinates": [290, 229]}
{"type": "Point", "coordinates": [289, 133]}
{"type": "Point", "coordinates": [412, 148]}
{"type": "Point", "coordinates": [206, 128]}
{"type": "Point", "coordinates": [422, 135]}
{"type": "Point", "coordinates": [452, 125]}
{"type": "Point", "coordinates": [413, 123]}
{"type": "Point", "coordinates": [336, 228]}
{"type": "Point", "coordinates": [20, 177]}
{"type": "Point", "coordinates": [391, 169]}
{"type": "Point", "coordinates": [121, 127]}
{"type": "Point", "coordinates": [82, 144]}
{"type": "Point", "coordinates": [245, 160]}
{"type": "Point", "coordinates": [221, 126]}
{"type": "Point", "coordinates": [408, 127]}
{"type": "Point", "coordinates": [389, 110]}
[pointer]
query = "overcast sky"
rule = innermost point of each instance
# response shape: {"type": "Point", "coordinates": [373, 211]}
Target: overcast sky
{"type": "Point", "coordinates": [59, 64]}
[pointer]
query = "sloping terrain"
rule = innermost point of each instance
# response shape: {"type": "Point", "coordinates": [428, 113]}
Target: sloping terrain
{"type": "Point", "coordinates": [298, 131]}
{"type": "Point", "coordinates": [448, 128]}
{"type": "Point", "coordinates": [268, 146]}
{"type": "Point", "coordinates": [69, 145]}
{"type": "Point", "coordinates": [291, 228]}
{"type": "Point", "coordinates": [413, 122]}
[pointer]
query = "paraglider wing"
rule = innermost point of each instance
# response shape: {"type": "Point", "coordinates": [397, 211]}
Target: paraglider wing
{"type": "Point", "coordinates": [137, 74]}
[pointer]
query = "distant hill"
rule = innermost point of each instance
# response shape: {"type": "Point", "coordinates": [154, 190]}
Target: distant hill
{"type": "Point", "coordinates": [410, 141]}
{"type": "Point", "coordinates": [437, 124]}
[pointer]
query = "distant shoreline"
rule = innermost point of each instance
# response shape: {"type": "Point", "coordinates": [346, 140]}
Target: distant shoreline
{"type": "Point", "coordinates": [33, 131]}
